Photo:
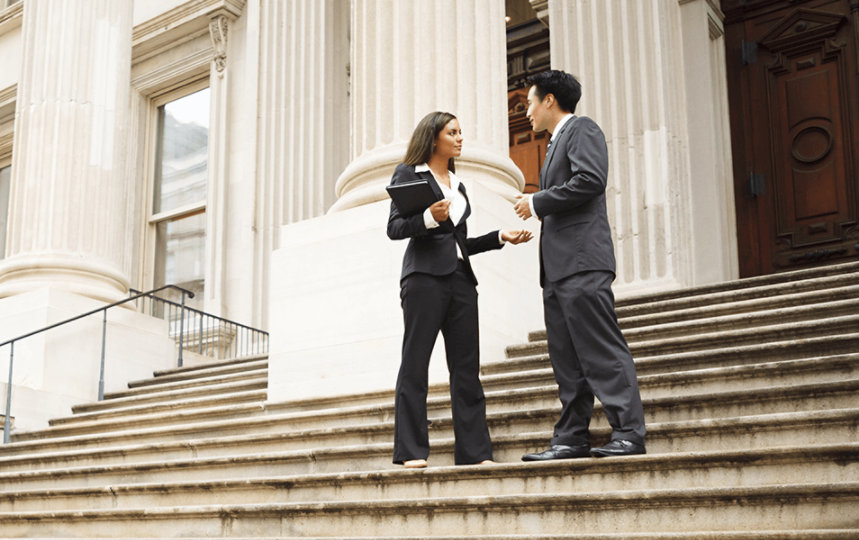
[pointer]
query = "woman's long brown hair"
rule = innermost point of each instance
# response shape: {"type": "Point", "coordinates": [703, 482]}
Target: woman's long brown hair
{"type": "Point", "coordinates": [422, 143]}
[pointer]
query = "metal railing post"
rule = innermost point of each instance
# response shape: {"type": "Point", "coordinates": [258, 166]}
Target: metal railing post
{"type": "Point", "coordinates": [7, 423]}
{"type": "Point", "coordinates": [182, 329]}
{"type": "Point", "coordinates": [101, 369]}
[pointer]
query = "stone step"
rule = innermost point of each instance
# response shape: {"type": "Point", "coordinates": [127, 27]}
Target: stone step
{"type": "Point", "coordinates": [537, 371]}
{"type": "Point", "coordinates": [742, 377]}
{"type": "Point", "coordinates": [702, 340]}
{"type": "Point", "coordinates": [201, 372]}
{"type": "Point", "coordinates": [791, 506]}
{"type": "Point", "coordinates": [250, 385]}
{"type": "Point", "coordinates": [228, 399]}
{"type": "Point", "coordinates": [755, 304]}
{"type": "Point", "coordinates": [212, 364]}
{"type": "Point", "coordinates": [705, 380]}
{"type": "Point", "coordinates": [329, 450]}
{"type": "Point", "coordinates": [691, 322]}
{"type": "Point", "coordinates": [526, 357]}
{"type": "Point", "coordinates": [805, 534]}
{"type": "Point", "coordinates": [517, 409]}
{"type": "Point", "coordinates": [182, 416]}
{"type": "Point", "coordinates": [799, 280]}
{"type": "Point", "coordinates": [543, 400]}
{"type": "Point", "coordinates": [786, 465]}
{"type": "Point", "coordinates": [193, 383]}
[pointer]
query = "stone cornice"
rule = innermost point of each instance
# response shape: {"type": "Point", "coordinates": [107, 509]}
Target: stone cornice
{"type": "Point", "coordinates": [11, 17]}
{"type": "Point", "coordinates": [189, 19]}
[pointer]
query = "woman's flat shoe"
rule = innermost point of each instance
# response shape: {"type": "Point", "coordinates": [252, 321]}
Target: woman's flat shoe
{"type": "Point", "coordinates": [486, 462]}
{"type": "Point", "coordinates": [415, 464]}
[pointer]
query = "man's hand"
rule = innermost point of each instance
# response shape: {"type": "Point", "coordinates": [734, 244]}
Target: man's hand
{"type": "Point", "coordinates": [440, 210]}
{"type": "Point", "coordinates": [523, 206]}
{"type": "Point", "coordinates": [516, 237]}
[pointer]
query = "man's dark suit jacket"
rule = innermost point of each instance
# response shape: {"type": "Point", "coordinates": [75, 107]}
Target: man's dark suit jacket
{"type": "Point", "coordinates": [433, 251]}
{"type": "Point", "coordinates": [575, 235]}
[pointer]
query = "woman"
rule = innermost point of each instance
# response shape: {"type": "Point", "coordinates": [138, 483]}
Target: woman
{"type": "Point", "coordinates": [438, 293]}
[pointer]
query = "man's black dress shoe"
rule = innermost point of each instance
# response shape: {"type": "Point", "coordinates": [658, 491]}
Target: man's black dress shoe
{"type": "Point", "coordinates": [559, 451]}
{"type": "Point", "coordinates": [619, 448]}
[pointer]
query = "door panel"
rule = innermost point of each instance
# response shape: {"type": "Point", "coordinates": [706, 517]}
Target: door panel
{"type": "Point", "coordinates": [793, 92]}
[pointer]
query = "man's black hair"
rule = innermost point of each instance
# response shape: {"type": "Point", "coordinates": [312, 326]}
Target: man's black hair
{"type": "Point", "coordinates": [566, 88]}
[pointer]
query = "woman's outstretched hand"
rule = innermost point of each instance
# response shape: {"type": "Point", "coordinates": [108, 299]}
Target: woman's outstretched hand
{"type": "Point", "coordinates": [516, 237]}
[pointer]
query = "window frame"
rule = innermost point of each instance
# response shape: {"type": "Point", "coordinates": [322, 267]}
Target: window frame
{"type": "Point", "coordinates": [150, 243]}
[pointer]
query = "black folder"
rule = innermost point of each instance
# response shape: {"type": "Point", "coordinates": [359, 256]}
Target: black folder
{"type": "Point", "coordinates": [412, 198]}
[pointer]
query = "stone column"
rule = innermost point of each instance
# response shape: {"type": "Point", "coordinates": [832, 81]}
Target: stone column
{"type": "Point", "coordinates": [303, 111]}
{"type": "Point", "coordinates": [67, 201]}
{"type": "Point", "coordinates": [335, 316]}
{"type": "Point", "coordinates": [642, 88]}
{"type": "Point", "coordinates": [411, 58]}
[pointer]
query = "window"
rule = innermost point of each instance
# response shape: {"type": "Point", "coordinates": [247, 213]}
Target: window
{"type": "Point", "coordinates": [5, 181]}
{"type": "Point", "coordinates": [179, 198]}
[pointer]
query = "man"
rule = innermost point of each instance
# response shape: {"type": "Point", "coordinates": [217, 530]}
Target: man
{"type": "Point", "coordinates": [589, 354]}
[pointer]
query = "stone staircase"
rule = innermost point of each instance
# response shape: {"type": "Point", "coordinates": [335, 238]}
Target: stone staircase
{"type": "Point", "coordinates": [750, 391]}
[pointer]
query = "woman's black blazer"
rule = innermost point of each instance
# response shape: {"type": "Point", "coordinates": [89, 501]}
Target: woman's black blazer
{"type": "Point", "coordinates": [433, 251]}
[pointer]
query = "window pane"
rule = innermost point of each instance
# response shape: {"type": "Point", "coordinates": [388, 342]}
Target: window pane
{"type": "Point", "coordinates": [182, 161]}
{"type": "Point", "coordinates": [5, 181]}
{"type": "Point", "coordinates": [180, 255]}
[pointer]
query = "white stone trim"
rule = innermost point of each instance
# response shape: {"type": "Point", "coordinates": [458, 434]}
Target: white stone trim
{"type": "Point", "coordinates": [184, 22]}
{"type": "Point", "coordinates": [11, 17]}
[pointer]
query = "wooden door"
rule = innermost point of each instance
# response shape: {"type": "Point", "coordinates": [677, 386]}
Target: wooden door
{"type": "Point", "coordinates": [527, 149]}
{"type": "Point", "coordinates": [793, 78]}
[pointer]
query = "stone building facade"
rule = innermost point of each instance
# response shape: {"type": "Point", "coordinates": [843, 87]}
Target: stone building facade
{"type": "Point", "coordinates": [307, 106]}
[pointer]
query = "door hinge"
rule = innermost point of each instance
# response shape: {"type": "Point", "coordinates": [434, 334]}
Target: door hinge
{"type": "Point", "coordinates": [748, 52]}
{"type": "Point", "coordinates": [756, 184]}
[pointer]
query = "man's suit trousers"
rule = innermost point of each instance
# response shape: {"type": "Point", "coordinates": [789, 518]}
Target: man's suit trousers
{"type": "Point", "coordinates": [447, 304]}
{"type": "Point", "coordinates": [590, 357]}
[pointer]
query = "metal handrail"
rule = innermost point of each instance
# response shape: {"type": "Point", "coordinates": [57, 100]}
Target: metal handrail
{"type": "Point", "coordinates": [11, 343]}
{"type": "Point", "coordinates": [255, 341]}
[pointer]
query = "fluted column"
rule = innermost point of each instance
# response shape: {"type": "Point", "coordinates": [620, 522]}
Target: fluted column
{"type": "Point", "coordinates": [411, 58]}
{"type": "Point", "coordinates": [67, 201]}
{"type": "Point", "coordinates": [626, 55]}
{"type": "Point", "coordinates": [651, 77]}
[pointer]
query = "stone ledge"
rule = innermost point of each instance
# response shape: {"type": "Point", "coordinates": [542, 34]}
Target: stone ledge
{"type": "Point", "coordinates": [201, 373]}
{"type": "Point", "coordinates": [693, 469]}
{"type": "Point", "coordinates": [809, 505]}
{"type": "Point", "coordinates": [261, 382]}
{"type": "Point", "coordinates": [757, 431]}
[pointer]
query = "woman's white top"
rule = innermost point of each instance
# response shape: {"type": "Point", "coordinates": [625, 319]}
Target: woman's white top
{"type": "Point", "coordinates": [458, 203]}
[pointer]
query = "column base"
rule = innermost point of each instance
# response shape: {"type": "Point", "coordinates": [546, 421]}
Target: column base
{"type": "Point", "coordinates": [96, 280]}
{"type": "Point", "coordinates": [364, 180]}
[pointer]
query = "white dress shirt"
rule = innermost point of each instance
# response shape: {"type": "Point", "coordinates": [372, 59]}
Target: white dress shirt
{"type": "Point", "coordinates": [458, 203]}
{"type": "Point", "coordinates": [555, 132]}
